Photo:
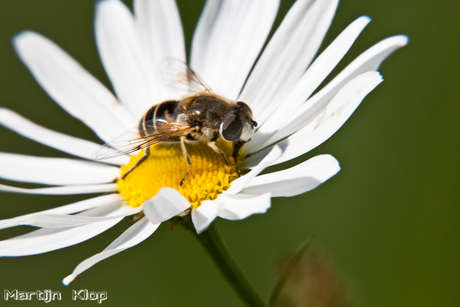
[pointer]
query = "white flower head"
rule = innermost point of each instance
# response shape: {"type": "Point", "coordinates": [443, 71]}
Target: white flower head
{"type": "Point", "coordinates": [279, 88]}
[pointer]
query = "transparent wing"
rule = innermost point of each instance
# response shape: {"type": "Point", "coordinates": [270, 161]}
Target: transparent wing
{"type": "Point", "coordinates": [125, 144]}
{"type": "Point", "coordinates": [180, 77]}
{"type": "Point", "coordinates": [132, 141]}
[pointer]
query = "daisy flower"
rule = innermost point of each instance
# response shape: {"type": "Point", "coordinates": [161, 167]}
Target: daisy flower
{"type": "Point", "coordinates": [280, 88]}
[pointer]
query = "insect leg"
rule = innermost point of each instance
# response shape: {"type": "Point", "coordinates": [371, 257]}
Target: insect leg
{"type": "Point", "coordinates": [187, 158]}
{"type": "Point", "coordinates": [236, 148]}
{"type": "Point", "coordinates": [219, 151]}
{"type": "Point", "coordinates": [144, 157]}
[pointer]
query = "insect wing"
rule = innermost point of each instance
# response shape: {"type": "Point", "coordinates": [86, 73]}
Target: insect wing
{"type": "Point", "coordinates": [131, 142]}
{"type": "Point", "coordinates": [180, 77]}
{"type": "Point", "coordinates": [125, 144]}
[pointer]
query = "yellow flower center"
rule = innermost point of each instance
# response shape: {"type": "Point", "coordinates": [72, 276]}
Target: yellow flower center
{"type": "Point", "coordinates": [166, 167]}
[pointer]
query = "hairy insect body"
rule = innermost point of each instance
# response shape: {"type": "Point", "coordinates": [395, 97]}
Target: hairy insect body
{"type": "Point", "coordinates": [205, 113]}
{"type": "Point", "coordinates": [157, 118]}
{"type": "Point", "coordinates": [203, 117]}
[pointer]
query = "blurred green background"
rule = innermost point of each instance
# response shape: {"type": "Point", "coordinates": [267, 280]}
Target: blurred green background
{"type": "Point", "coordinates": [389, 219]}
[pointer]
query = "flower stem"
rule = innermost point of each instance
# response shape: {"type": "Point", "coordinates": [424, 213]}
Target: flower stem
{"type": "Point", "coordinates": [212, 241]}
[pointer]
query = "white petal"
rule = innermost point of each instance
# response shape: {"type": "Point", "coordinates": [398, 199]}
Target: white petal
{"type": "Point", "coordinates": [122, 55]}
{"type": "Point", "coordinates": [47, 220]}
{"type": "Point", "coordinates": [160, 28]}
{"type": "Point", "coordinates": [103, 200]}
{"type": "Point", "coordinates": [134, 235]}
{"type": "Point", "coordinates": [71, 86]}
{"type": "Point", "coordinates": [240, 206]}
{"type": "Point", "coordinates": [54, 171]}
{"type": "Point", "coordinates": [166, 204]}
{"type": "Point", "coordinates": [205, 214]}
{"type": "Point", "coordinates": [203, 31]}
{"type": "Point", "coordinates": [332, 118]}
{"type": "Point", "coordinates": [369, 60]}
{"type": "Point", "coordinates": [61, 220]}
{"type": "Point", "coordinates": [49, 239]}
{"type": "Point", "coordinates": [79, 206]}
{"type": "Point", "coordinates": [240, 183]}
{"type": "Point", "coordinates": [228, 38]}
{"type": "Point", "coordinates": [295, 180]}
{"type": "Point", "coordinates": [110, 210]}
{"type": "Point", "coordinates": [64, 190]}
{"type": "Point", "coordinates": [312, 78]}
{"type": "Point", "coordinates": [287, 55]}
{"type": "Point", "coordinates": [66, 143]}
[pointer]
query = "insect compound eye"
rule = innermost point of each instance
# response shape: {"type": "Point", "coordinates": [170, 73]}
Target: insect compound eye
{"type": "Point", "coordinates": [231, 127]}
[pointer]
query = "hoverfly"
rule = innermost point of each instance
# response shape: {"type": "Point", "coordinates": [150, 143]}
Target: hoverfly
{"type": "Point", "coordinates": [201, 116]}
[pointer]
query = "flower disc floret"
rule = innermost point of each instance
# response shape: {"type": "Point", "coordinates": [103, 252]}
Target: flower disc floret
{"type": "Point", "coordinates": [166, 167]}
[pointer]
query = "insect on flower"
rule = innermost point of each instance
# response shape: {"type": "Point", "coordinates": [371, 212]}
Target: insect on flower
{"type": "Point", "coordinates": [188, 137]}
{"type": "Point", "coordinates": [200, 116]}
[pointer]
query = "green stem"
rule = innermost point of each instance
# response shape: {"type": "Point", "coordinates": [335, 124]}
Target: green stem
{"type": "Point", "coordinates": [212, 241]}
